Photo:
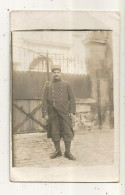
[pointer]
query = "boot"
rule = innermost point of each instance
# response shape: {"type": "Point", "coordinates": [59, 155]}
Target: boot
{"type": "Point", "coordinates": [67, 153]}
{"type": "Point", "coordinates": [58, 152]}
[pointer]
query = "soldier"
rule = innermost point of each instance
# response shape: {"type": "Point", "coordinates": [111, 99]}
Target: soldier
{"type": "Point", "coordinates": [58, 108]}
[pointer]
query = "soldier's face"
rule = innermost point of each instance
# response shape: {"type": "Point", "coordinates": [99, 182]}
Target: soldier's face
{"type": "Point", "coordinates": [56, 74]}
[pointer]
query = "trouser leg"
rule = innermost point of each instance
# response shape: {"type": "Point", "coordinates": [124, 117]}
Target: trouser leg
{"type": "Point", "coordinates": [67, 146]}
{"type": "Point", "coordinates": [57, 145]}
{"type": "Point", "coordinates": [58, 152]}
{"type": "Point", "coordinates": [67, 151]}
{"type": "Point", "coordinates": [66, 130]}
{"type": "Point", "coordinates": [55, 130]}
{"type": "Point", "coordinates": [56, 136]}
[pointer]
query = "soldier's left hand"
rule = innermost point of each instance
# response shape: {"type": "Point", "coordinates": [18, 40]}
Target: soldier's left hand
{"type": "Point", "coordinates": [72, 116]}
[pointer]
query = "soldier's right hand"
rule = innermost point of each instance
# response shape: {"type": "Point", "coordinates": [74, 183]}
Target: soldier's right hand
{"type": "Point", "coordinates": [46, 117]}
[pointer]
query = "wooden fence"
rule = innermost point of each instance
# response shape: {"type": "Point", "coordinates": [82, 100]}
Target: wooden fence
{"type": "Point", "coordinates": [29, 85]}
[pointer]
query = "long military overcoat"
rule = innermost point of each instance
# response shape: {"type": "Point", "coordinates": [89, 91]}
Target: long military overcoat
{"type": "Point", "coordinates": [58, 98]}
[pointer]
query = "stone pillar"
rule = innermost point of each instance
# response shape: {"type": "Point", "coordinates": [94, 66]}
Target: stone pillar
{"type": "Point", "coordinates": [95, 43]}
{"type": "Point", "coordinates": [97, 67]}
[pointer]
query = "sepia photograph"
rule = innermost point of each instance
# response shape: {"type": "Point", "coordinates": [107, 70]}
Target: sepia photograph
{"type": "Point", "coordinates": [62, 100]}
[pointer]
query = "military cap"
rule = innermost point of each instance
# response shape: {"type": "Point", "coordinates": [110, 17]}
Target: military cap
{"type": "Point", "coordinates": [55, 67]}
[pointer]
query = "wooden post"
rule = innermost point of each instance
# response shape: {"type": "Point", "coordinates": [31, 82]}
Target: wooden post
{"type": "Point", "coordinates": [110, 103]}
{"type": "Point", "coordinates": [63, 64]}
{"type": "Point", "coordinates": [71, 66]}
{"type": "Point", "coordinates": [59, 61]}
{"type": "Point", "coordinates": [74, 71]}
{"type": "Point", "coordinates": [67, 64]}
{"type": "Point", "coordinates": [47, 61]}
{"type": "Point", "coordinates": [78, 64]}
{"type": "Point", "coordinates": [99, 101]}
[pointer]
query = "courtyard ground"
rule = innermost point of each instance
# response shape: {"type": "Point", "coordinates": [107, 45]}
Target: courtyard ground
{"type": "Point", "coordinates": [94, 147]}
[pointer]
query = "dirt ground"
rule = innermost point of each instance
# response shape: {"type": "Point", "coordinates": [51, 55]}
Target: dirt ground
{"type": "Point", "coordinates": [94, 147]}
